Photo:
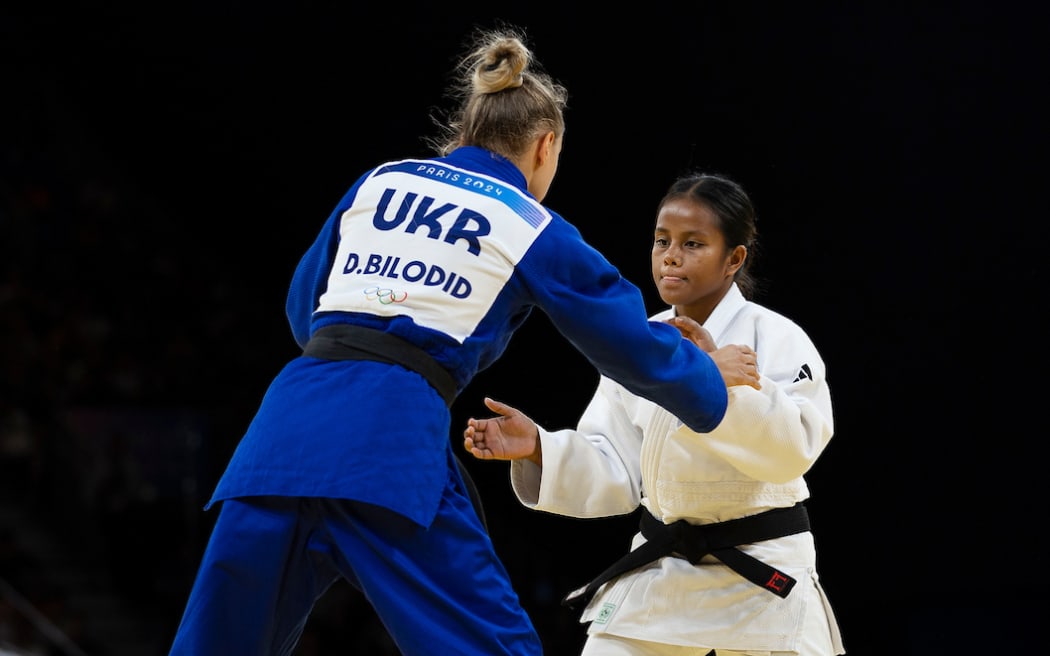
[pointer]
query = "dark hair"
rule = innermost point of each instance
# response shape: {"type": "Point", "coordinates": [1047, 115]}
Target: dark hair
{"type": "Point", "coordinates": [736, 217]}
{"type": "Point", "coordinates": [504, 99]}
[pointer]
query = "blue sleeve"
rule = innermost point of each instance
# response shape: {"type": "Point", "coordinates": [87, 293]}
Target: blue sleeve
{"type": "Point", "coordinates": [604, 316]}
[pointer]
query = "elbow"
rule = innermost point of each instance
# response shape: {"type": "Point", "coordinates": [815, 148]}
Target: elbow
{"type": "Point", "coordinates": [800, 451]}
{"type": "Point", "coordinates": [712, 414]}
{"type": "Point", "coordinates": [710, 422]}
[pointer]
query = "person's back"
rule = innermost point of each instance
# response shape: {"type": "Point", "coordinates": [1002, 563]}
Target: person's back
{"type": "Point", "coordinates": [451, 254]}
{"type": "Point", "coordinates": [416, 282]}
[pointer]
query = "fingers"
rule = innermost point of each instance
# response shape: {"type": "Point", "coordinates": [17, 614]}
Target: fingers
{"type": "Point", "coordinates": [748, 355]}
{"type": "Point", "coordinates": [476, 447]}
{"type": "Point", "coordinates": [487, 439]}
{"type": "Point", "coordinates": [473, 449]}
{"type": "Point", "coordinates": [499, 408]}
{"type": "Point", "coordinates": [694, 332]}
{"type": "Point", "coordinates": [751, 367]}
{"type": "Point", "coordinates": [738, 365]}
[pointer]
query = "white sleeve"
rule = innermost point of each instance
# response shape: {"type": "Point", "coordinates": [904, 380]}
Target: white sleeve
{"type": "Point", "coordinates": [592, 471]}
{"type": "Point", "coordinates": [776, 434]}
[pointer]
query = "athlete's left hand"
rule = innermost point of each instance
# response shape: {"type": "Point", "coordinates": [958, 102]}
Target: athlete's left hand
{"type": "Point", "coordinates": [738, 363]}
{"type": "Point", "coordinates": [694, 332]}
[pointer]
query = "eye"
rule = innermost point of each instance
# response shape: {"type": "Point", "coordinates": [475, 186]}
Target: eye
{"type": "Point", "coordinates": [660, 242]}
{"type": "Point", "coordinates": [693, 244]}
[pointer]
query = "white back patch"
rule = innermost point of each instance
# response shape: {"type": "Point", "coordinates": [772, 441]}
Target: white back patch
{"type": "Point", "coordinates": [431, 242]}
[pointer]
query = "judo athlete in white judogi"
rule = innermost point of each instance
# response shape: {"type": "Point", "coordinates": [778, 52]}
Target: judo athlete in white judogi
{"type": "Point", "coordinates": [627, 451]}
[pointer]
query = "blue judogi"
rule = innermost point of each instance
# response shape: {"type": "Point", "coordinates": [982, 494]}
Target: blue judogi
{"type": "Point", "coordinates": [349, 462]}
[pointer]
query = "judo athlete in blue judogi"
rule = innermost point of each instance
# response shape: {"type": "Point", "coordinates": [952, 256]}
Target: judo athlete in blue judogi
{"type": "Point", "coordinates": [415, 283]}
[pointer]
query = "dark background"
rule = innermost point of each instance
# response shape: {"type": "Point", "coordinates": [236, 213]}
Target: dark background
{"type": "Point", "coordinates": [164, 167]}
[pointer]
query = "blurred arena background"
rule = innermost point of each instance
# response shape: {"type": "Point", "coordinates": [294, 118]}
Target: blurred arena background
{"type": "Point", "coordinates": [163, 168]}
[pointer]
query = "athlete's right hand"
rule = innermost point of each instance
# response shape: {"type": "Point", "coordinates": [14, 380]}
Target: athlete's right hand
{"type": "Point", "coordinates": [510, 436]}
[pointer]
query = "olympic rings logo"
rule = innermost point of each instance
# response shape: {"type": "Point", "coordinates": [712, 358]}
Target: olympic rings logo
{"type": "Point", "coordinates": [385, 296]}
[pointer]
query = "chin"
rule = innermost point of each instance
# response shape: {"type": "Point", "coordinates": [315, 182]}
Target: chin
{"type": "Point", "coordinates": [670, 298]}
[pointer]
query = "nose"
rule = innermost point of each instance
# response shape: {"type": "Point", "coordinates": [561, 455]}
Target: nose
{"type": "Point", "coordinates": [671, 256]}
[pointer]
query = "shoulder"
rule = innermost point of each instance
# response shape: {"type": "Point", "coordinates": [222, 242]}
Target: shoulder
{"type": "Point", "coordinates": [770, 316]}
{"type": "Point", "coordinates": [774, 326]}
{"type": "Point", "coordinates": [562, 241]}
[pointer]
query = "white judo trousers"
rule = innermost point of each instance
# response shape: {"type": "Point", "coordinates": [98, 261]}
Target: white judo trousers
{"type": "Point", "coordinates": [816, 638]}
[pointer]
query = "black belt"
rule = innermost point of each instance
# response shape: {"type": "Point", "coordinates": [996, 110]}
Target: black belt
{"type": "Point", "coordinates": [694, 541]}
{"type": "Point", "coordinates": [348, 342]}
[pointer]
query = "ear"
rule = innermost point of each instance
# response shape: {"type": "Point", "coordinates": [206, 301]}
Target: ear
{"type": "Point", "coordinates": [544, 148]}
{"type": "Point", "coordinates": [736, 260]}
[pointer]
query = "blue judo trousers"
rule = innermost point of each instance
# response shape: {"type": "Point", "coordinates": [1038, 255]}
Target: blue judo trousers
{"type": "Point", "coordinates": [301, 546]}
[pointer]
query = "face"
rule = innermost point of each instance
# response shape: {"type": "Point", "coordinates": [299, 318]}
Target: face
{"type": "Point", "coordinates": [692, 267]}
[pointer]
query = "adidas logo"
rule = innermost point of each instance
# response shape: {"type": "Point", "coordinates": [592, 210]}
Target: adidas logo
{"type": "Point", "coordinates": [803, 373]}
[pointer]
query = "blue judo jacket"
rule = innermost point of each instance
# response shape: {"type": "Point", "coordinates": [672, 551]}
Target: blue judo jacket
{"type": "Point", "coordinates": [451, 254]}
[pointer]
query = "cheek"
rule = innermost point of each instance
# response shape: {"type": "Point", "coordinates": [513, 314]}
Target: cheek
{"type": "Point", "coordinates": [706, 270]}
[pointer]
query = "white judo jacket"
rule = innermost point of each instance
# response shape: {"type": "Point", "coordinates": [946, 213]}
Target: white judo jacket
{"type": "Point", "coordinates": [628, 451]}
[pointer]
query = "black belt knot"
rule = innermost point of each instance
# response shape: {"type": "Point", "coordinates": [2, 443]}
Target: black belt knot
{"type": "Point", "coordinates": [691, 544]}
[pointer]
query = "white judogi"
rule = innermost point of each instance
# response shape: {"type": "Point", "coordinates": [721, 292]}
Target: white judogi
{"type": "Point", "coordinates": [628, 451]}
